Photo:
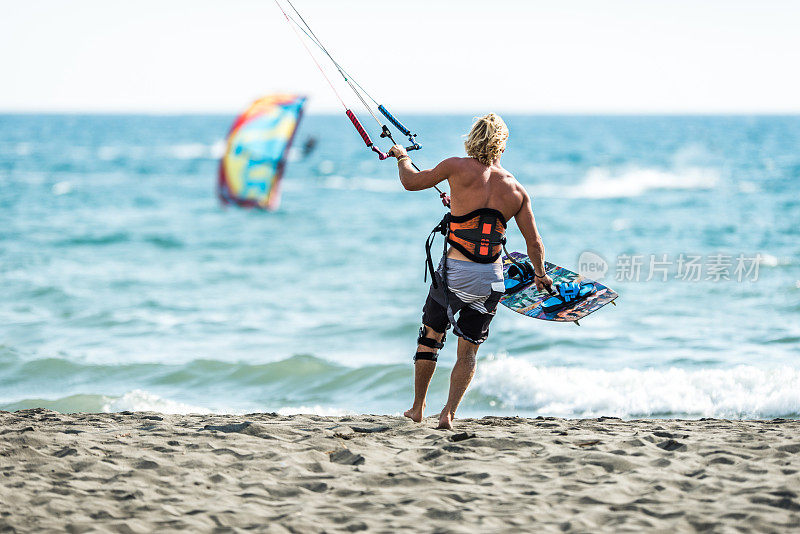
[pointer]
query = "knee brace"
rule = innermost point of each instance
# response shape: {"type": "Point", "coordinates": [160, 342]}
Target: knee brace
{"type": "Point", "coordinates": [428, 342]}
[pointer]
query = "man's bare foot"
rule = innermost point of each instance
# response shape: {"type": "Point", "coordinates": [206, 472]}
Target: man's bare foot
{"type": "Point", "coordinates": [415, 414]}
{"type": "Point", "coordinates": [445, 421]}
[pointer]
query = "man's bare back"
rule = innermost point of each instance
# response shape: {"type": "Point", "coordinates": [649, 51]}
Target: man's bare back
{"type": "Point", "coordinates": [474, 186]}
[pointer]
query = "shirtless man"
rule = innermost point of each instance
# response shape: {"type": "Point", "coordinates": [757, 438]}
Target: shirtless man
{"type": "Point", "coordinates": [484, 196]}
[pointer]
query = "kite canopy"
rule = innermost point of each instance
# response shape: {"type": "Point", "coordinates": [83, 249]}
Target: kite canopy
{"type": "Point", "coordinates": [258, 143]}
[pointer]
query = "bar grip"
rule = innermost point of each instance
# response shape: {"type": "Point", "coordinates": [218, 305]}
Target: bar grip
{"type": "Point", "coordinates": [405, 131]}
{"type": "Point", "coordinates": [363, 133]}
{"type": "Point", "coordinates": [381, 155]}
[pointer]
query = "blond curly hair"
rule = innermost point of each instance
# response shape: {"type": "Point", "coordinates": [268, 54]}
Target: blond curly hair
{"type": "Point", "coordinates": [487, 138]}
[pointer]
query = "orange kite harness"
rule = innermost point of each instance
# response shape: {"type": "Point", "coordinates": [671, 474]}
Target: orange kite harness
{"type": "Point", "coordinates": [479, 235]}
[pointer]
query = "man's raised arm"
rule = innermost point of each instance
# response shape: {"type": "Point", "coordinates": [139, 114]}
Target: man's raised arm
{"type": "Point", "coordinates": [414, 180]}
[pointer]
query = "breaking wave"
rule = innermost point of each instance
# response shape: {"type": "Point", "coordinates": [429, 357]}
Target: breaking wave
{"type": "Point", "coordinates": [740, 392]}
{"type": "Point", "coordinates": [503, 385]}
{"type": "Point", "coordinates": [632, 182]}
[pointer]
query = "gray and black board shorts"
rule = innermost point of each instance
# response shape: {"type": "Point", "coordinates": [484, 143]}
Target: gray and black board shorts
{"type": "Point", "coordinates": [473, 292]}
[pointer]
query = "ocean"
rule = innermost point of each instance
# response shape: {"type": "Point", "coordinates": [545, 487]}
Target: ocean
{"type": "Point", "coordinates": [124, 285]}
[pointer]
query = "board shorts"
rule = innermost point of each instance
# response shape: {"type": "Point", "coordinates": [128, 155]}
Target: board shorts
{"type": "Point", "coordinates": [474, 290]}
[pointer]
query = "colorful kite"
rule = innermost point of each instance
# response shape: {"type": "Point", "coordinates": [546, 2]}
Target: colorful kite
{"type": "Point", "coordinates": [258, 143]}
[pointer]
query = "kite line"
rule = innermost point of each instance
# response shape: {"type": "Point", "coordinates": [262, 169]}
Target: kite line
{"type": "Point", "coordinates": [360, 92]}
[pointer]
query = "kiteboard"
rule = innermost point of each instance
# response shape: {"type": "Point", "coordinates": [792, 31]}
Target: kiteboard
{"type": "Point", "coordinates": [527, 300]}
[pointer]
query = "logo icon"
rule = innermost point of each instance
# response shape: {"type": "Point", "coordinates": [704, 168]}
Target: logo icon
{"type": "Point", "coordinates": [592, 265]}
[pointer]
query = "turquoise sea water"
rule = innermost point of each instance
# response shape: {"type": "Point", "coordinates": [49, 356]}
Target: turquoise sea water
{"type": "Point", "coordinates": [124, 285]}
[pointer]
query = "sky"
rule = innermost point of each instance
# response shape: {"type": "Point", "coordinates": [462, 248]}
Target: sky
{"type": "Point", "coordinates": [466, 56]}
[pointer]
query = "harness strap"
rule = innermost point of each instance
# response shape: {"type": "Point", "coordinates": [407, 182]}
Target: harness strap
{"type": "Point", "coordinates": [442, 228]}
{"type": "Point", "coordinates": [463, 235]}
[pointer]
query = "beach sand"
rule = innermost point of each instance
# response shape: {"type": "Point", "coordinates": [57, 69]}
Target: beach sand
{"type": "Point", "coordinates": [148, 472]}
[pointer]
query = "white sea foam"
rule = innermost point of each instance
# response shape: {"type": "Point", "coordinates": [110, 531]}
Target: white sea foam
{"type": "Point", "coordinates": [142, 401]}
{"type": "Point", "coordinates": [326, 166]}
{"type": "Point", "coordinates": [108, 153]}
{"type": "Point", "coordinates": [62, 188]}
{"type": "Point", "coordinates": [374, 185]}
{"type": "Point", "coordinates": [740, 392]}
{"type": "Point", "coordinates": [620, 224]}
{"type": "Point", "coordinates": [294, 154]}
{"type": "Point", "coordinates": [185, 151]}
{"type": "Point", "coordinates": [768, 260]}
{"type": "Point", "coordinates": [601, 182]}
{"type": "Point", "coordinates": [749, 187]}
{"type": "Point", "coordinates": [218, 148]}
{"type": "Point", "coordinates": [196, 151]}
{"type": "Point", "coordinates": [23, 149]}
{"type": "Point", "coordinates": [139, 400]}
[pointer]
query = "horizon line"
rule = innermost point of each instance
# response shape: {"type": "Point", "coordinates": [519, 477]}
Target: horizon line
{"type": "Point", "coordinates": [543, 113]}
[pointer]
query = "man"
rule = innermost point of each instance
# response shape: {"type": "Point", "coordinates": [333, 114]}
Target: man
{"type": "Point", "coordinates": [469, 280]}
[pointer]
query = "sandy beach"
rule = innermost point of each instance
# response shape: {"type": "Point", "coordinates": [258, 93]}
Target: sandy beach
{"type": "Point", "coordinates": [147, 472]}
